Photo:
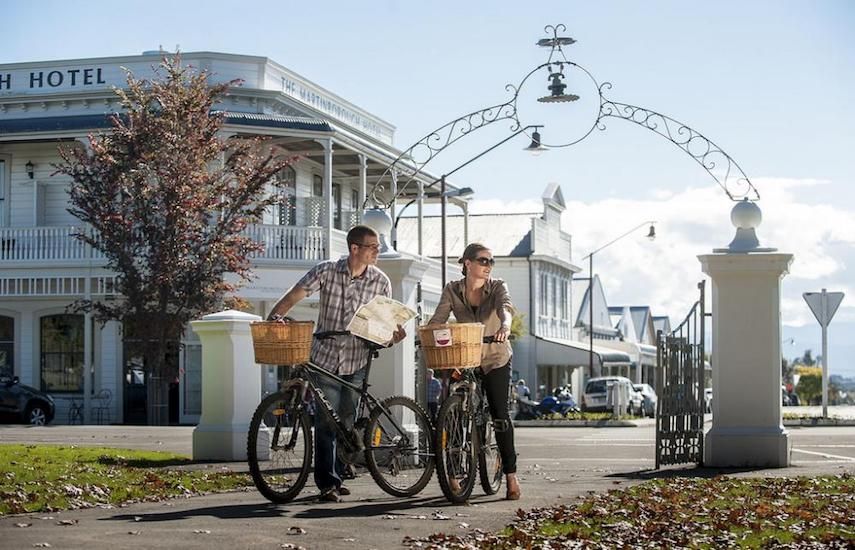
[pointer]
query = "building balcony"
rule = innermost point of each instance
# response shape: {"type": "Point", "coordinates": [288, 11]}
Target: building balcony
{"type": "Point", "coordinates": [56, 246]}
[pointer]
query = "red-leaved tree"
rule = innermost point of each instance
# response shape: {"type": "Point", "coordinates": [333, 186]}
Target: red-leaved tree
{"type": "Point", "coordinates": [167, 199]}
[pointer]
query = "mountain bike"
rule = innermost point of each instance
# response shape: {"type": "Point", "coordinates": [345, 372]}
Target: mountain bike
{"type": "Point", "coordinates": [392, 436]}
{"type": "Point", "coordinates": [465, 439]}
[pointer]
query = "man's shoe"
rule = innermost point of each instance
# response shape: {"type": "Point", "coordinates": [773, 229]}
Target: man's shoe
{"type": "Point", "coordinates": [330, 495]}
{"type": "Point", "coordinates": [513, 490]}
{"type": "Point", "coordinates": [343, 491]}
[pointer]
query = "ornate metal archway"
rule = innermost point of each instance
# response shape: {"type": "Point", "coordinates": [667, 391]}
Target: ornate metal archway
{"type": "Point", "coordinates": [712, 158]}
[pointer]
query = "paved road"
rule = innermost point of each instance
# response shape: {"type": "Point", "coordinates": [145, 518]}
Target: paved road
{"type": "Point", "coordinates": [557, 465]}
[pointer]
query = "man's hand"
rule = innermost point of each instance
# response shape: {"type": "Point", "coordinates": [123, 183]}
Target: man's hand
{"type": "Point", "coordinates": [399, 335]}
{"type": "Point", "coordinates": [502, 334]}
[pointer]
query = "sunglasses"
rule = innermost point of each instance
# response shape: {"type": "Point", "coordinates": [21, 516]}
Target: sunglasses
{"type": "Point", "coordinates": [483, 261]}
{"type": "Point", "coordinates": [374, 246]}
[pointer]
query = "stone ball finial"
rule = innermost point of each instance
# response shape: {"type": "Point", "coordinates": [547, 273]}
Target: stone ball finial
{"type": "Point", "coordinates": [746, 215]}
{"type": "Point", "coordinates": [378, 220]}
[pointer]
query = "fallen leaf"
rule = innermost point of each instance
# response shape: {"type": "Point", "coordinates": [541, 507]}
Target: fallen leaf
{"type": "Point", "coordinates": [294, 530]}
{"type": "Point", "coordinates": [202, 531]}
{"type": "Point", "coordinates": [23, 524]}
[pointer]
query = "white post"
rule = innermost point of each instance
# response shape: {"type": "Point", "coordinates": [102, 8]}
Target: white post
{"type": "Point", "coordinates": [824, 370]}
{"type": "Point", "coordinates": [231, 385]}
{"type": "Point", "coordinates": [394, 372]}
{"type": "Point", "coordinates": [747, 427]}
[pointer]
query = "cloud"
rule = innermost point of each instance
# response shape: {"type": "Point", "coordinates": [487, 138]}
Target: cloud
{"type": "Point", "coordinates": [663, 273]}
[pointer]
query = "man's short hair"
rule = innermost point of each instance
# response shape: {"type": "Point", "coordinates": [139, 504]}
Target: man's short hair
{"type": "Point", "coordinates": [357, 234]}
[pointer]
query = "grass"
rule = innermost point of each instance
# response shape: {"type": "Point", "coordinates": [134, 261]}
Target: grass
{"type": "Point", "coordinates": [686, 513]}
{"type": "Point", "coordinates": [45, 478]}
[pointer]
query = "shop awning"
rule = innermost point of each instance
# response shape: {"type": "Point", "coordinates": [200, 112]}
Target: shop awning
{"type": "Point", "coordinates": [556, 351]}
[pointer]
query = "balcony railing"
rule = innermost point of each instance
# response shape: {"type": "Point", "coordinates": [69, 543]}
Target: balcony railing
{"type": "Point", "coordinates": [47, 244]}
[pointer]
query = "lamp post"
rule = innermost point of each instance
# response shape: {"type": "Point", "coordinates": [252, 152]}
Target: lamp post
{"type": "Point", "coordinates": [651, 234]}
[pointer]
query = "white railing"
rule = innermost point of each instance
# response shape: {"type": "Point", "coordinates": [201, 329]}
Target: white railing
{"type": "Point", "coordinates": [289, 243]}
{"type": "Point", "coordinates": [44, 243]}
{"type": "Point", "coordinates": [32, 244]}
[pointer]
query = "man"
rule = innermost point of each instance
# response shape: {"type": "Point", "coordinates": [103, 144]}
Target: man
{"type": "Point", "coordinates": [344, 286]}
{"type": "Point", "coordinates": [434, 390]}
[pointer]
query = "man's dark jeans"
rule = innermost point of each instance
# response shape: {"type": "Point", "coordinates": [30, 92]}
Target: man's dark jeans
{"type": "Point", "coordinates": [328, 467]}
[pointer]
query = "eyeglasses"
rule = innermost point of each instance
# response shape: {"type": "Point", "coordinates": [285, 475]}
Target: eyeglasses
{"type": "Point", "coordinates": [374, 246]}
{"type": "Point", "coordinates": [484, 261]}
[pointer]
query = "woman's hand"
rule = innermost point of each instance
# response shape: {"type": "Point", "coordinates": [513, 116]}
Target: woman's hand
{"type": "Point", "coordinates": [502, 334]}
{"type": "Point", "coordinates": [399, 335]}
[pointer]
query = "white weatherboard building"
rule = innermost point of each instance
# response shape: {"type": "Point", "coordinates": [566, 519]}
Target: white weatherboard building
{"type": "Point", "coordinates": [344, 150]}
{"type": "Point", "coordinates": [534, 257]}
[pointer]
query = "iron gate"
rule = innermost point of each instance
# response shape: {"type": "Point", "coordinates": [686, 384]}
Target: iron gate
{"type": "Point", "coordinates": [680, 388]}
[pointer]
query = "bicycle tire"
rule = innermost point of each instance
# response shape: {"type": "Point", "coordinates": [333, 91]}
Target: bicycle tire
{"type": "Point", "coordinates": [400, 463]}
{"type": "Point", "coordinates": [456, 448]}
{"type": "Point", "coordinates": [280, 471]}
{"type": "Point", "coordinates": [489, 460]}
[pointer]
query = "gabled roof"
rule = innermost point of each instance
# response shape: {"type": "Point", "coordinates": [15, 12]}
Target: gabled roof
{"type": "Point", "coordinates": [663, 323]}
{"type": "Point", "coordinates": [553, 196]}
{"type": "Point", "coordinates": [507, 235]}
{"type": "Point", "coordinates": [602, 321]}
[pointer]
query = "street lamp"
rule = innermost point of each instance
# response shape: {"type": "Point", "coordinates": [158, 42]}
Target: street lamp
{"type": "Point", "coordinates": [651, 234]}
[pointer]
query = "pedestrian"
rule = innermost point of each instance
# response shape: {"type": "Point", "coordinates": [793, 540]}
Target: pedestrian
{"type": "Point", "coordinates": [522, 390]}
{"type": "Point", "coordinates": [434, 390]}
{"type": "Point", "coordinates": [478, 298]}
{"type": "Point", "coordinates": [344, 285]}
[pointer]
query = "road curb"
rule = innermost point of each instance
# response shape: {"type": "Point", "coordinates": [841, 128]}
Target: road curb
{"type": "Point", "coordinates": [563, 423]}
{"type": "Point", "coordinates": [816, 421]}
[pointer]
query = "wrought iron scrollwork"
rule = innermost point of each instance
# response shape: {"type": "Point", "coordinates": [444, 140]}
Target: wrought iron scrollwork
{"type": "Point", "coordinates": [410, 163]}
{"type": "Point", "coordinates": [718, 164]}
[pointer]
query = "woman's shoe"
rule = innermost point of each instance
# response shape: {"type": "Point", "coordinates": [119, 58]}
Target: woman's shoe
{"type": "Point", "coordinates": [513, 492]}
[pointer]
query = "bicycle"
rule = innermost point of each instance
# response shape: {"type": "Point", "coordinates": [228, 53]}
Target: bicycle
{"type": "Point", "coordinates": [394, 436]}
{"type": "Point", "coordinates": [465, 433]}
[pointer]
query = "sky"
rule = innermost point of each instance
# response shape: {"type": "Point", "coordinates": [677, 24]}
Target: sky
{"type": "Point", "coordinates": [768, 81]}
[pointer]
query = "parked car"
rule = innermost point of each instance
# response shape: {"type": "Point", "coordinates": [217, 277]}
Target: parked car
{"type": "Point", "coordinates": [708, 399]}
{"type": "Point", "coordinates": [649, 398]}
{"type": "Point", "coordinates": [595, 397]}
{"type": "Point", "coordinates": [21, 403]}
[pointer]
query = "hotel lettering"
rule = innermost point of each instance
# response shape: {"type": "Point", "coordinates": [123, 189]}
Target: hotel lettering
{"type": "Point", "coordinates": [38, 80]}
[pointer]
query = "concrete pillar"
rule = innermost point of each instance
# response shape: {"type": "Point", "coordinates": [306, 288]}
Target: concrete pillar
{"type": "Point", "coordinates": [231, 385]}
{"type": "Point", "coordinates": [747, 427]}
{"type": "Point", "coordinates": [394, 372]}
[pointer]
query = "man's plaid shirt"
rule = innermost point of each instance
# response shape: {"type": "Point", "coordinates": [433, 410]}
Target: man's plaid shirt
{"type": "Point", "coordinates": [341, 295]}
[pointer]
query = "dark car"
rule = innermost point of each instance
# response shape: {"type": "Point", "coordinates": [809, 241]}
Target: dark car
{"type": "Point", "coordinates": [20, 403]}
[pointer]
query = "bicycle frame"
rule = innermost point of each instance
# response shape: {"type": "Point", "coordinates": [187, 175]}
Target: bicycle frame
{"type": "Point", "coordinates": [365, 401]}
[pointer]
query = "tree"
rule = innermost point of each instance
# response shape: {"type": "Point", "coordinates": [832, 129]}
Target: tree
{"type": "Point", "coordinates": [166, 200]}
{"type": "Point", "coordinates": [809, 387]}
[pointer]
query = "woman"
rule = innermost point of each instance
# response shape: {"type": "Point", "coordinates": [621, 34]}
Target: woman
{"type": "Point", "coordinates": [478, 298]}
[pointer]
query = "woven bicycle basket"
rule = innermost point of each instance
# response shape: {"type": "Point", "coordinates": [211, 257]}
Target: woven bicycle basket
{"type": "Point", "coordinates": [452, 346]}
{"type": "Point", "coordinates": [282, 343]}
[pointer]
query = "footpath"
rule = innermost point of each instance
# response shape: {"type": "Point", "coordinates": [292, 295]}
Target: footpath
{"type": "Point", "coordinates": [556, 465]}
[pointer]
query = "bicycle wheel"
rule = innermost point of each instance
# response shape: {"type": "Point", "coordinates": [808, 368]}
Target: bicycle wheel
{"type": "Point", "coordinates": [489, 460]}
{"type": "Point", "coordinates": [279, 445]}
{"type": "Point", "coordinates": [399, 446]}
{"type": "Point", "coordinates": [456, 444]}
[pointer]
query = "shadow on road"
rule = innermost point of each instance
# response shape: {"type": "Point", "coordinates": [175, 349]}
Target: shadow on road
{"type": "Point", "coordinates": [373, 507]}
{"type": "Point", "coordinates": [241, 511]}
{"type": "Point", "coordinates": [681, 472]}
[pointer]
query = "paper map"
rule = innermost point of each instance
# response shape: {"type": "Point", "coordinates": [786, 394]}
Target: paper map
{"type": "Point", "coordinates": [379, 318]}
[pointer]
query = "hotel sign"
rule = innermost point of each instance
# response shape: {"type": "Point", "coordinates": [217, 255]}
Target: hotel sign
{"type": "Point", "coordinates": [46, 80]}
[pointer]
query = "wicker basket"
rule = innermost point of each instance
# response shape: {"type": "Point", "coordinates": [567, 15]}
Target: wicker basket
{"type": "Point", "coordinates": [452, 346]}
{"type": "Point", "coordinates": [282, 343]}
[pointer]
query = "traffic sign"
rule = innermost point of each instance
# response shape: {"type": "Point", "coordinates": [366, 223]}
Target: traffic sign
{"type": "Point", "coordinates": [823, 305]}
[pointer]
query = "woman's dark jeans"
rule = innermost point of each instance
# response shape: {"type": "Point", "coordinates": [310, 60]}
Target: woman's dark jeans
{"type": "Point", "coordinates": [496, 384]}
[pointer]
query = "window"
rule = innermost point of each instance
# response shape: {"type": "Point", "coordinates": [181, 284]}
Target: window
{"type": "Point", "coordinates": [7, 346]}
{"type": "Point", "coordinates": [317, 186]}
{"type": "Point", "coordinates": [288, 196]}
{"type": "Point", "coordinates": [336, 193]}
{"type": "Point", "coordinates": [564, 300]}
{"type": "Point", "coordinates": [62, 353]}
{"type": "Point", "coordinates": [544, 289]}
{"type": "Point", "coordinates": [553, 312]}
